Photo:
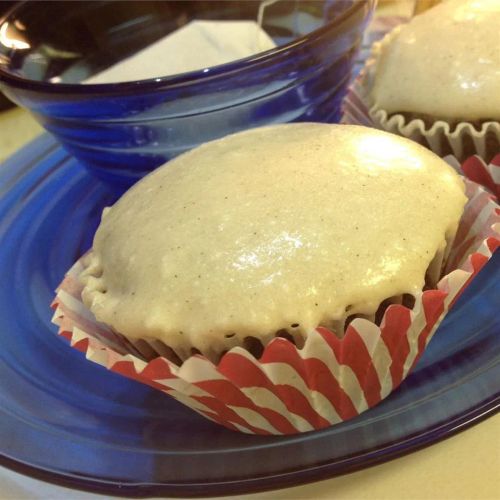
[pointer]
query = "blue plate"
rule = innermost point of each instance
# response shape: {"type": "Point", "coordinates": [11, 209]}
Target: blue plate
{"type": "Point", "coordinates": [70, 421]}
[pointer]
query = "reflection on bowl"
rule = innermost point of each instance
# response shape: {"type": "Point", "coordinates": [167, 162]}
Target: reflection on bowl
{"type": "Point", "coordinates": [121, 131]}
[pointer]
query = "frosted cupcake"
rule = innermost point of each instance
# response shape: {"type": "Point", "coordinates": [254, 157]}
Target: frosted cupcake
{"type": "Point", "coordinates": [271, 232]}
{"type": "Point", "coordinates": [279, 280]}
{"type": "Point", "coordinates": [436, 79]}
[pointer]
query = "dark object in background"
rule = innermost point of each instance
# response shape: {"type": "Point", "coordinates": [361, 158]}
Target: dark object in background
{"type": "Point", "coordinates": [4, 102]}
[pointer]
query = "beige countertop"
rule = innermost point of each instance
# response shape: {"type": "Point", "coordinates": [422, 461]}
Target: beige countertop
{"type": "Point", "coordinates": [465, 466]}
{"type": "Point", "coordinates": [17, 127]}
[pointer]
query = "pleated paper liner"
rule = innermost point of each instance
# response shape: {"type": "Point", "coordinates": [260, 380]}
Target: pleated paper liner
{"type": "Point", "coordinates": [290, 390]}
{"type": "Point", "coordinates": [461, 140]}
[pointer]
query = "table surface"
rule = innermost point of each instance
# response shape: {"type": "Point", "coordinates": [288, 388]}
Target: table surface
{"type": "Point", "coordinates": [464, 466]}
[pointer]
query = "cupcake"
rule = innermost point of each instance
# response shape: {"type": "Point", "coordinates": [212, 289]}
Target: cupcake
{"type": "Point", "coordinates": [436, 80]}
{"type": "Point", "coordinates": [272, 231]}
{"type": "Point", "coordinates": [278, 280]}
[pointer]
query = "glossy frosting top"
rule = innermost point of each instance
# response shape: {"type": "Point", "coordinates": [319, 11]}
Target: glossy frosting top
{"type": "Point", "coordinates": [299, 224]}
{"type": "Point", "coordinates": [444, 63]}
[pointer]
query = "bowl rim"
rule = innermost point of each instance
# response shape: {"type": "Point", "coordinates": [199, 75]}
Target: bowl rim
{"type": "Point", "coordinates": [178, 79]}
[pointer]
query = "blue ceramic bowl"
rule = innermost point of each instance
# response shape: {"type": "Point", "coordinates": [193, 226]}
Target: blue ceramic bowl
{"type": "Point", "coordinates": [122, 131]}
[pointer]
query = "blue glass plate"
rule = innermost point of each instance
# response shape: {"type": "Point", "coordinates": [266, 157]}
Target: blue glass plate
{"type": "Point", "coordinates": [67, 420]}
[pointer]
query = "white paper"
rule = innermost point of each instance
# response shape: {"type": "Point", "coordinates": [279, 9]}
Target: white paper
{"type": "Point", "coordinates": [197, 45]}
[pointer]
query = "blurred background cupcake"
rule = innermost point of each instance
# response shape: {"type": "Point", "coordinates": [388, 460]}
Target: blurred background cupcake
{"type": "Point", "coordinates": [435, 80]}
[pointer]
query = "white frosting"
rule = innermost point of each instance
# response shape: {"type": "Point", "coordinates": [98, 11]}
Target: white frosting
{"type": "Point", "coordinates": [273, 227]}
{"type": "Point", "coordinates": [444, 63]}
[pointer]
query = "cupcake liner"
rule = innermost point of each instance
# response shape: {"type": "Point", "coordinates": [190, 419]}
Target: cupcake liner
{"type": "Point", "coordinates": [290, 390]}
{"type": "Point", "coordinates": [488, 175]}
{"type": "Point", "coordinates": [461, 140]}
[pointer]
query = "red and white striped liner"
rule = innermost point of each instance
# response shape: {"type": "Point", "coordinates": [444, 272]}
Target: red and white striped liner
{"type": "Point", "coordinates": [290, 390]}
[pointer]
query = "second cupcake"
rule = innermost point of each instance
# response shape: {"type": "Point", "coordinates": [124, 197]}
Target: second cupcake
{"type": "Point", "coordinates": [436, 80]}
